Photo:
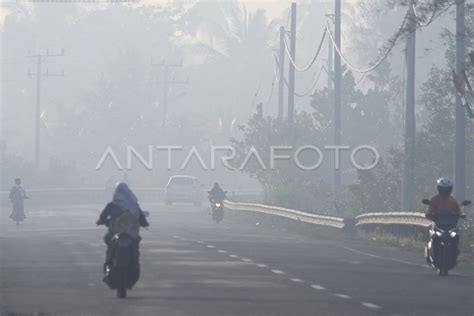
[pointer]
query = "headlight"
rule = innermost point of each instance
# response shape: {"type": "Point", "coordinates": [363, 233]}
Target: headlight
{"type": "Point", "coordinates": [452, 234]}
{"type": "Point", "coordinates": [439, 234]}
{"type": "Point", "coordinates": [218, 204]}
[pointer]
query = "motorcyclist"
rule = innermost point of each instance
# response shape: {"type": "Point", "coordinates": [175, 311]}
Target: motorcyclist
{"type": "Point", "coordinates": [17, 197]}
{"type": "Point", "coordinates": [216, 193]}
{"type": "Point", "coordinates": [442, 206]}
{"type": "Point", "coordinates": [444, 202]}
{"type": "Point", "coordinates": [124, 200]}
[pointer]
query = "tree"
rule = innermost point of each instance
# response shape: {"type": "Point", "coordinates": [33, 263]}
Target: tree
{"type": "Point", "coordinates": [367, 117]}
{"type": "Point", "coordinates": [286, 184]}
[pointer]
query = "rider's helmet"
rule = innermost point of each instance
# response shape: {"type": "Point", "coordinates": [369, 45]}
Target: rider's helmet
{"type": "Point", "coordinates": [445, 186]}
{"type": "Point", "coordinates": [17, 181]}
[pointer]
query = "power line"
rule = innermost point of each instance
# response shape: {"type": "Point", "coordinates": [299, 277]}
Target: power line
{"type": "Point", "coordinates": [361, 79]}
{"type": "Point", "coordinates": [418, 20]}
{"type": "Point", "coordinates": [353, 68]}
{"type": "Point", "coordinates": [303, 69]}
{"type": "Point", "coordinates": [313, 86]}
{"type": "Point", "coordinates": [434, 15]}
{"type": "Point", "coordinates": [275, 65]}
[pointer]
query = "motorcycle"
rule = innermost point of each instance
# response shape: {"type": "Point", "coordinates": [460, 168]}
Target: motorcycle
{"type": "Point", "coordinates": [123, 268]}
{"type": "Point", "coordinates": [217, 208]}
{"type": "Point", "coordinates": [442, 250]}
{"type": "Point", "coordinates": [18, 213]}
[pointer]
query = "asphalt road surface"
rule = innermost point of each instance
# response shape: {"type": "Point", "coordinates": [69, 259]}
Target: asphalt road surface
{"type": "Point", "coordinates": [51, 265]}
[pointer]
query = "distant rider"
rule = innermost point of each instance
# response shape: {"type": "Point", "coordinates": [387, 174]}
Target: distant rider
{"type": "Point", "coordinates": [216, 193]}
{"type": "Point", "coordinates": [123, 200]}
{"type": "Point", "coordinates": [17, 197]}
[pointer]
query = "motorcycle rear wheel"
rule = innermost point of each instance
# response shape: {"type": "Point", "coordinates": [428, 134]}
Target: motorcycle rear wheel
{"type": "Point", "coordinates": [121, 292]}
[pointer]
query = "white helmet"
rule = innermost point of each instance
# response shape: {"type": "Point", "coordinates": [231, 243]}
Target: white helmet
{"type": "Point", "coordinates": [444, 183]}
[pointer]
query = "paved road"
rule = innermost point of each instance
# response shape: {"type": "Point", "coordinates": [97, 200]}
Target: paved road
{"type": "Point", "coordinates": [51, 264]}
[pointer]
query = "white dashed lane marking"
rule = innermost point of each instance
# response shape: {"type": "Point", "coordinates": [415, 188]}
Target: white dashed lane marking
{"type": "Point", "coordinates": [296, 280]}
{"type": "Point", "coordinates": [370, 305]}
{"type": "Point", "coordinates": [279, 272]}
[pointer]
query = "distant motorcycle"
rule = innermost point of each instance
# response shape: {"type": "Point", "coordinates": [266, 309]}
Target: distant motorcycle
{"type": "Point", "coordinates": [217, 208]}
{"type": "Point", "coordinates": [124, 269]}
{"type": "Point", "coordinates": [442, 250]}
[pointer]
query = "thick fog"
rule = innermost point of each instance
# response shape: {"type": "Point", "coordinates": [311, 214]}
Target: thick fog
{"type": "Point", "coordinates": [191, 74]}
{"type": "Point", "coordinates": [236, 157]}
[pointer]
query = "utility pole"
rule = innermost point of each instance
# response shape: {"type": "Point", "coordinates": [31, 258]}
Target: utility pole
{"type": "Point", "coordinates": [460, 146]}
{"type": "Point", "coordinates": [330, 66]}
{"type": "Point", "coordinates": [330, 72]}
{"type": "Point", "coordinates": [281, 74]}
{"type": "Point", "coordinates": [166, 85]}
{"type": "Point", "coordinates": [291, 78]}
{"type": "Point", "coordinates": [165, 96]}
{"type": "Point", "coordinates": [337, 93]}
{"type": "Point", "coordinates": [408, 187]}
{"type": "Point", "coordinates": [40, 58]}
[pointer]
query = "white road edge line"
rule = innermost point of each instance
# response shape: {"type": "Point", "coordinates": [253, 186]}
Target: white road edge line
{"type": "Point", "coordinates": [384, 258]}
{"type": "Point", "coordinates": [343, 296]}
{"type": "Point", "coordinates": [363, 253]}
{"type": "Point", "coordinates": [318, 287]}
{"type": "Point", "coordinates": [261, 265]}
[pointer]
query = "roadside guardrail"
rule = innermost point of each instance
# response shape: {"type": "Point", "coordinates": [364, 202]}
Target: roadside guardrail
{"type": "Point", "coordinates": [147, 194]}
{"type": "Point", "coordinates": [393, 218]}
{"type": "Point", "coordinates": [311, 218]}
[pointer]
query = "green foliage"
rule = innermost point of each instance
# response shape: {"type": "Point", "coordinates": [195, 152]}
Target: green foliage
{"type": "Point", "coordinates": [368, 117]}
{"type": "Point", "coordinates": [378, 189]}
{"type": "Point", "coordinates": [435, 140]}
{"type": "Point", "coordinates": [285, 184]}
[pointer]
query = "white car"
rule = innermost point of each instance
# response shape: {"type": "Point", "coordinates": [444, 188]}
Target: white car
{"type": "Point", "coordinates": [183, 189]}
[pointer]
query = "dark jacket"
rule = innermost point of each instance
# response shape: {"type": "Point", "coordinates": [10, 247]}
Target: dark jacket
{"type": "Point", "coordinates": [111, 212]}
{"type": "Point", "coordinates": [217, 193]}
